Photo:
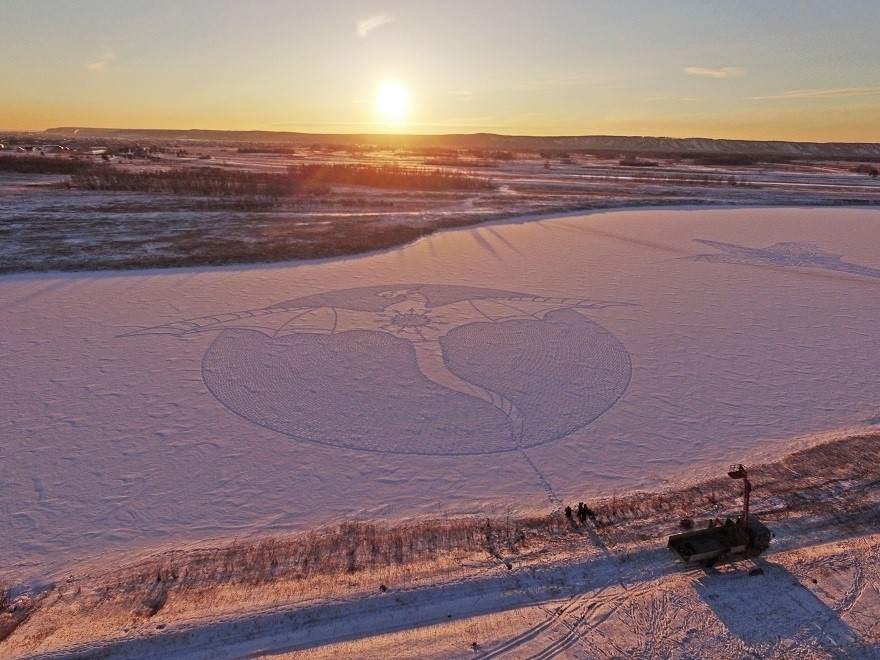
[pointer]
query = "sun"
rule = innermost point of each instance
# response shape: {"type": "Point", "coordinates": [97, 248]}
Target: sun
{"type": "Point", "coordinates": [392, 101]}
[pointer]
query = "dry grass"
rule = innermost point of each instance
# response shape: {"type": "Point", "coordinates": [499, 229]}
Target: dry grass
{"type": "Point", "coordinates": [344, 551]}
{"type": "Point", "coordinates": [204, 181]}
{"type": "Point", "coordinates": [298, 181]}
{"type": "Point", "coordinates": [391, 175]}
{"type": "Point", "coordinates": [42, 165]}
{"type": "Point", "coordinates": [819, 480]}
{"type": "Point", "coordinates": [13, 611]}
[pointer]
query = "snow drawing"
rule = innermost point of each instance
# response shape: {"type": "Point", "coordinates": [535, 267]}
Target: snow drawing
{"type": "Point", "coordinates": [799, 255]}
{"type": "Point", "coordinates": [416, 368]}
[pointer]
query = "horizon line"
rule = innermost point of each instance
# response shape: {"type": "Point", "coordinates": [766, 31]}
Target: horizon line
{"type": "Point", "coordinates": [425, 135]}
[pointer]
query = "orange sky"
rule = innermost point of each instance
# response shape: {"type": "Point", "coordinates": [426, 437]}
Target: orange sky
{"type": "Point", "coordinates": [791, 70]}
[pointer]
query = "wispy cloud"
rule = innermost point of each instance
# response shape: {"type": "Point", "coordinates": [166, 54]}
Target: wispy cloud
{"type": "Point", "coordinates": [462, 94]}
{"type": "Point", "coordinates": [554, 82]}
{"type": "Point", "coordinates": [708, 72]}
{"type": "Point", "coordinates": [367, 25]}
{"type": "Point", "coordinates": [101, 63]}
{"type": "Point", "coordinates": [822, 93]}
{"type": "Point", "coordinates": [679, 98]}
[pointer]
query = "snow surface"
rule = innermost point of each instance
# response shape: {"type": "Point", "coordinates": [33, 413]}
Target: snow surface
{"type": "Point", "coordinates": [472, 371]}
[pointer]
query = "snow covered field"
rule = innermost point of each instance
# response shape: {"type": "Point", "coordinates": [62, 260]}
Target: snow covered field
{"type": "Point", "coordinates": [509, 366]}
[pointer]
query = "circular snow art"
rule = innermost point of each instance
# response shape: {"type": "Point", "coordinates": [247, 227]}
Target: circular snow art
{"type": "Point", "coordinates": [417, 368]}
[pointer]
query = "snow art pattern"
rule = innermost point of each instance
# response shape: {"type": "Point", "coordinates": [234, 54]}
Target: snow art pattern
{"type": "Point", "coordinates": [800, 255]}
{"type": "Point", "coordinates": [415, 369]}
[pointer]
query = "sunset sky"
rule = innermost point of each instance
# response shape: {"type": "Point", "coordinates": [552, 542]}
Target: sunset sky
{"type": "Point", "coordinates": [754, 70]}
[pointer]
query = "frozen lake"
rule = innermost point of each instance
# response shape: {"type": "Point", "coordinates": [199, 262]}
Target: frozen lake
{"type": "Point", "coordinates": [507, 366]}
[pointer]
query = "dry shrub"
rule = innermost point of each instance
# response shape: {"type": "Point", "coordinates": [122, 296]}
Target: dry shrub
{"type": "Point", "coordinates": [42, 165]}
{"type": "Point", "coordinates": [206, 181]}
{"type": "Point", "coordinates": [351, 547]}
{"type": "Point", "coordinates": [12, 612]}
{"type": "Point", "coordinates": [219, 182]}
{"type": "Point", "coordinates": [386, 176]}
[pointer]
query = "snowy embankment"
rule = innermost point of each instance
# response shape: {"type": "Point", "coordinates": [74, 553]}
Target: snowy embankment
{"type": "Point", "coordinates": [606, 587]}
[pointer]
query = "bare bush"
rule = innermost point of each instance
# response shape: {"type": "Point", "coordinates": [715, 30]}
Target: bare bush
{"type": "Point", "coordinates": [43, 165]}
{"type": "Point", "coordinates": [386, 176]}
{"type": "Point", "coordinates": [219, 182]}
{"type": "Point", "coordinates": [865, 168]}
{"type": "Point", "coordinates": [204, 181]}
{"type": "Point", "coordinates": [12, 612]}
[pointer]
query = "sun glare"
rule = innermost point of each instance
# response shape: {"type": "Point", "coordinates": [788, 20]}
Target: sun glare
{"type": "Point", "coordinates": [392, 102]}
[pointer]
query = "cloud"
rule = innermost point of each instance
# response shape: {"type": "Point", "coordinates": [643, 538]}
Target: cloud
{"type": "Point", "coordinates": [679, 98]}
{"type": "Point", "coordinates": [723, 72]}
{"type": "Point", "coordinates": [822, 93]}
{"type": "Point", "coordinates": [102, 62]}
{"type": "Point", "coordinates": [367, 25]}
{"type": "Point", "coordinates": [555, 82]}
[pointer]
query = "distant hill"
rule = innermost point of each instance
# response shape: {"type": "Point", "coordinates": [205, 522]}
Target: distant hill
{"type": "Point", "coordinates": [659, 146]}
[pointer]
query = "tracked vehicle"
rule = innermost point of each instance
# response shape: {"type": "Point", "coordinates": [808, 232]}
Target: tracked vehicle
{"type": "Point", "coordinates": [724, 541]}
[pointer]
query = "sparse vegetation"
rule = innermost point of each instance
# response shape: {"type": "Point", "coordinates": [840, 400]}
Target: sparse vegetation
{"type": "Point", "coordinates": [386, 176]}
{"type": "Point", "coordinates": [204, 181]}
{"type": "Point", "coordinates": [220, 182]}
{"type": "Point", "coordinates": [266, 149]}
{"type": "Point", "coordinates": [12, 612]}
{"type": "Point", "coordinates": [43, 165]}
{"type": "Point", "coordinates": [739, 160]}
{"type": "Point", "coordinates": [865, 168]}
{"type": "Point", "coordinates": [632, 161]}
{"type": "Point", "coordinates": [801, 482]}
{"type": "Point", "coordinates": [192, 213]}
{"type": "Point", "coordinates": [344, 550]}
{"type": "Point", "coordinates": [248, 236]}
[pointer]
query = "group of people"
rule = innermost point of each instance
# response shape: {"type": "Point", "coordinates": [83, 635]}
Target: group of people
{"type": "Point", "coordinates": [582, 512]}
